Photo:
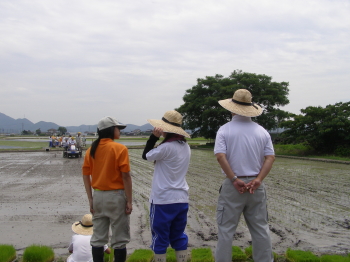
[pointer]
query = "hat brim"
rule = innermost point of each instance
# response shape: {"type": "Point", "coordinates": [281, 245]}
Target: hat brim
{"type": "Point", "coordinates": [168, 127]}
{"type": "Point", "coordinates": [121, 127]}
{"type": "Point", "coordinates": [80, 230]}
{"type": "Point", "coordinates": [242, 110]}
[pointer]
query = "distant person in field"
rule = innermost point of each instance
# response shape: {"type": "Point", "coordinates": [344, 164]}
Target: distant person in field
{"type": "Point", "coordinates": [169, 194]}
{"type": "Point", "coordinates": [106, 172]}
{"type": "Point", "coordinates": [80, 244]}
{"type": "Point", "coordinates": [83, 139]}
{"type": "Point", "coordinates": [245, 153]}
{"type": "Point", "coordinates": [72, 142]}
{"type": "Point", "coordinates": [50, 141]}
{"type": "Point", "coordinates": [78, 140]}
{"type": "Point", "coordinates": [65, 143]}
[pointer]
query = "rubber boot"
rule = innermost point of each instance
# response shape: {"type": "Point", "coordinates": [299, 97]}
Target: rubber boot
{"type": "Point", "coordinates": [181, 255]}
{"type": "Point", "coordinates": [119, 255]}
{"type": "Point", "coordinates": [159, 257]}
{"type": "Point", "coordinates": [98, 254]}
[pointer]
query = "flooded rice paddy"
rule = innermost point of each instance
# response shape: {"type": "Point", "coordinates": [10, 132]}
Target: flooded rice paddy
{"type": "Point", "coordinates": [42, 194]}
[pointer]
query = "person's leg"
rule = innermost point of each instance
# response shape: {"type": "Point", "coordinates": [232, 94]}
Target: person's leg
{"type": "Point", "coordinates": [100, 221]}
{"type": "Point", "coordinates": [178, 237]}
{"type": "Point", "coordinates": [255, 215]}
{"type": "Point", "coordinates": [229, 208]}
{"type": "Point", "coordinates": [120, 255]}
{"type": "Point", "coordinates": [160, 221]}
{"type": "Point", "coordinates": [97, 254]}
{"type": "Point", "coordinates": [120, 223]}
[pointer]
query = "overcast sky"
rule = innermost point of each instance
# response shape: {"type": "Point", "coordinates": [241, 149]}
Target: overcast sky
{"type": "Point", "coordinates": [73, 62]}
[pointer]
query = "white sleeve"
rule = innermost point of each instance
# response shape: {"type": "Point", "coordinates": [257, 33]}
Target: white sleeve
{"type": "Point", "coordinates": [269, 150]}
{"type": "Point", "coordinates": [157, 153]}
{"type": "Point", "coordinates": [70, 247]}
{"type": "Point", "coordinates": [220, 142]}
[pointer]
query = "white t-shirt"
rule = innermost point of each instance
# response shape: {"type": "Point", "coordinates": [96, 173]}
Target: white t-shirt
{"type": "Point", "coordinates": [245, 144]}
{"type": "Point", "coordinates": [80, 245]}
{"type": "Point", "coordinates": [169, 184]}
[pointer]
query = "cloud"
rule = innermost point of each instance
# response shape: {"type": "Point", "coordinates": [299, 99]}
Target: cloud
{"type": "Point", "coordinates": [75, 62]}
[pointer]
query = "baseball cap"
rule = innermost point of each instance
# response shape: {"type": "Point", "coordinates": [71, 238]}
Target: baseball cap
{"type": "Point", "coordinates": [109, 121]}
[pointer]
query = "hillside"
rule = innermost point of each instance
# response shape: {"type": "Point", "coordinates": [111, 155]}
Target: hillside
{"type": "Point", "coordinates": [11, 125]}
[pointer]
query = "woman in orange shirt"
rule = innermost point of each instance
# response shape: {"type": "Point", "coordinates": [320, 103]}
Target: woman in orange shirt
{"type": "Point", "coordinates": [106, 171]}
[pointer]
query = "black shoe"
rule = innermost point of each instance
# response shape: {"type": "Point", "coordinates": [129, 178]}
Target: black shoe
{"type": "Point", "coordinates": [98, 254]}
{"type": "Point", "coordinates": [119, 255]}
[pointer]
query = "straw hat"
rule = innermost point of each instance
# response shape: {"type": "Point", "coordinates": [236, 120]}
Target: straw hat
{"type": "Point", "coordinates": [241, 104]}
{"type": "Point", "coordinates": [83, 227]}
{"type": "Point", "coordinates": [171, 122]}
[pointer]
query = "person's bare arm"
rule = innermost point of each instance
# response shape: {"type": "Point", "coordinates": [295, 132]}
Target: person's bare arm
{"type": "Point", "coordinates": [128, 191]}
{"type": "Point", "coordinates": [88, 189]}
{"type": "Point", "coordinates": [265, 170]}
{"type": "Point", "coordinates": [238, 184]}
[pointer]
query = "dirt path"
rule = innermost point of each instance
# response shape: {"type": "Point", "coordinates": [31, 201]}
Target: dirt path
{"type": "Point", "coordinates": [42, 194]}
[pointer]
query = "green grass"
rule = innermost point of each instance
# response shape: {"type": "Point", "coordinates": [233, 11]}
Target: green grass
{"type": "Point", "coordinates": [24, 144]}
{"type": "Point", "coordinates": [293, 150]}
{"type": "Point", "coordinates": [36, 253]}
{"type": "Point", "coordinates": [249, 251]}
{"type": "Point", "coordinates": [202, 255]}
{"type": "Point", "coordinates": [335, 258]}
{"type": "Point", "coordinates": [141, 255]}
{"type": "Point", "coordinates": [238, 255]}
{"type": "Point", "coordinates": [7, 253]}
{"type": "Point", "coordinates": [109, 257]}
{"type": "Point", "coordinates": [170, 255]}
{"type": "Point", "coordinates": [301, 256]}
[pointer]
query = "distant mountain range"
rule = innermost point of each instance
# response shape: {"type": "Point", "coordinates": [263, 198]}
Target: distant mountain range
{"type": "Point", "coordinates": [11, 125]}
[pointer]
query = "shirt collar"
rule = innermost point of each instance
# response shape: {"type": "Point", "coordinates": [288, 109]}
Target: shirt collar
{"type": "Point", "coordinates": [241, 118]}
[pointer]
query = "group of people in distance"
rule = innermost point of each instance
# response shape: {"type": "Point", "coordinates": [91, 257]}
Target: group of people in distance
{"type": "Point", "coordinates": [67, 141]}
{"type": "Point", "coordinates": [244, 152]}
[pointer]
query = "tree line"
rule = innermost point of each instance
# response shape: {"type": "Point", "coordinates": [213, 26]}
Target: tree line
{"type": "Point", "coordinates": [326, 130]}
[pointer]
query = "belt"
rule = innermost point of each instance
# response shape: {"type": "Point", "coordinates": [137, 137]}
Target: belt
{"type": "Point", "coordinates": [245, 176]}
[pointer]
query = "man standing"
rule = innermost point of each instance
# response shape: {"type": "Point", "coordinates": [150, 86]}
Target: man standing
{"type": "Point", "coordinates": [245, 153]}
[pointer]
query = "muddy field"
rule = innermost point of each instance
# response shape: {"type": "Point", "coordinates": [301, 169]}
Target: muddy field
{"type": "Point", "coordinates": [42, 194]}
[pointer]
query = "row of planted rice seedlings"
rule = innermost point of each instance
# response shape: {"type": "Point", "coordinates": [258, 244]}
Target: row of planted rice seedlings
{"type": "Point", "coordinates": [204, 179]}
{"type": "Point", "coordinates": [142, 173]}
{"type": "Point", "coordinates": [305, 186]}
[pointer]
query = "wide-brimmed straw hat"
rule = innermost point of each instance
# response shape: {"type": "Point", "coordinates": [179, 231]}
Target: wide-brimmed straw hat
{"type": "Point", "coordinates": [171, 122]}
{"type": "Point", "coordinates": [241, 104]}
{"type": "Point", "coordinates": [83, 227]}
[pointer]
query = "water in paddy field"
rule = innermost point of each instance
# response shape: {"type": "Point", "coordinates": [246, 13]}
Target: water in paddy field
{"type": "Point", "coordinates": [88, 142]}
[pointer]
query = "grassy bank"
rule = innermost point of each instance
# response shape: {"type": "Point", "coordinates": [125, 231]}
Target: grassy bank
{"type": "Point", "coordinates": [301, 150]}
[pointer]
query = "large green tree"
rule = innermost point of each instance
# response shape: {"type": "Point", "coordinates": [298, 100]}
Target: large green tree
{"type": "Point", "coordinates": [327, 130]}
{"type": "Point", "coordinates": [203, 115]}
{"type": "Point", "coordinates": [62, 130]}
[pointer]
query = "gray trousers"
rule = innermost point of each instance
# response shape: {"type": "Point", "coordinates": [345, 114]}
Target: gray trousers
{"type": "Point", "coordinates": [231, 205]}
{"type": "Point", "coordinates": [109, 211]}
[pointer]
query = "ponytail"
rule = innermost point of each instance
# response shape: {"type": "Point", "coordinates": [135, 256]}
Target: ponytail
{"type": "Point", "coordinates": [104, 133]}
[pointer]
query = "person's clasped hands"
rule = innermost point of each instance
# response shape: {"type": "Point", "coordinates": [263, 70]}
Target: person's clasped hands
{"type": "Point", "coordinates": [242, 187]}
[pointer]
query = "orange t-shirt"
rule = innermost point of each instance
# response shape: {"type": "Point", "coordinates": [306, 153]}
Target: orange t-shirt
{"type": "Point", "coordinates": [111, 159]}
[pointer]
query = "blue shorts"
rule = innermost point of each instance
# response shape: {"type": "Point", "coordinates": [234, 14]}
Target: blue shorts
{"type": "Point", "coordinates": [168, 223]}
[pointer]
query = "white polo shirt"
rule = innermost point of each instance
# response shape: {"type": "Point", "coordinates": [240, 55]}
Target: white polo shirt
{"type": "Point", "coordinates": [169, 184]}
{"type": "Point", "coordinates": [81, 248]}
{"type": "Point", "coordinates": [245, 144]}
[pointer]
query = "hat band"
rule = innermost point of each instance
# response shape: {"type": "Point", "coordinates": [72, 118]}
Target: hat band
{"type": "Point", "coordinates": [171, 123]}
{"type": "Point", "coordinates": [244, 103]}
{"type": "Point", "coordinates": [80, 223]}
